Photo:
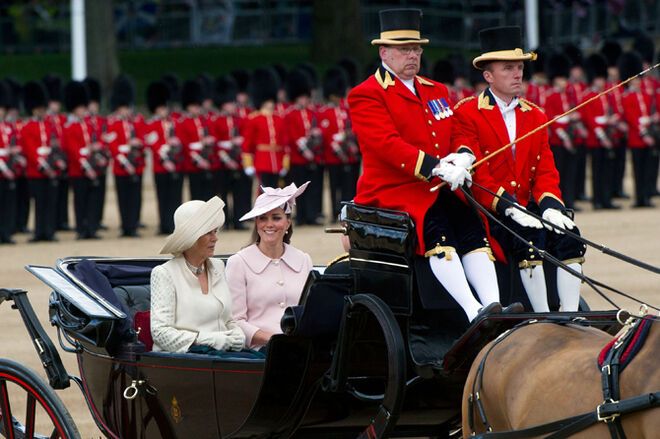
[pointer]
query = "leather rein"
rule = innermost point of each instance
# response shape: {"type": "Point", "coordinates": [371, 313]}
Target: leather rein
{"type": "Point", "coordinates": [609, 411]}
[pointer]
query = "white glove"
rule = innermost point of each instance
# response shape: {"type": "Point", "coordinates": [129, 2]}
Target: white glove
{"type": "Point", "coordinates": [454, 175]}
{"type": "Point", "coordinates": [462, 159]}
{"type": "Point", "coordinates": [216, 340]}
{"type": "Point", "coordinates": [237, 339]}
{"type": "Point", "coordinates": [249, 171]}
{"type": "Point", "coordinates": [558, 219]}
{"type": "Point", "coordinates": [523, 218]}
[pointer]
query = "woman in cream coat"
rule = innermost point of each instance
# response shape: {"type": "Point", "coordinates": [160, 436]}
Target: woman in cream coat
{"type": "Point", "coordinates": [190, 299]}
{"type": "Point", "coordinates": [268, 275]}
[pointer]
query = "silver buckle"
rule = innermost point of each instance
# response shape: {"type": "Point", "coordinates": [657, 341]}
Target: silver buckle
{"type": "Point", "coordinates": [606, 419]}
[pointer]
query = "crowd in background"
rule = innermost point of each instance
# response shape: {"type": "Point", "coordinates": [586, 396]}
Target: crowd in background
{"type": "Point", "coordinates": [276, 126]}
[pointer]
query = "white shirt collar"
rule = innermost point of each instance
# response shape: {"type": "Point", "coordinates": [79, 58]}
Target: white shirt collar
{"type": "Point", "coordinates": [504, 107]}
{"type": "Point", "coordinates": [409, 83]}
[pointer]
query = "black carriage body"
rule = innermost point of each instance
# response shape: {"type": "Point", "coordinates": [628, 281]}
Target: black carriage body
{"type": "Point", "coordinates": [364, 352]}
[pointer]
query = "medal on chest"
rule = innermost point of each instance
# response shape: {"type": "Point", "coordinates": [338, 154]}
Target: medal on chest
{"type": "Point", "coordinates": [440, 108]}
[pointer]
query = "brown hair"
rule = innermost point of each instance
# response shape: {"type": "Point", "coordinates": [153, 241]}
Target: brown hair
{"type": "Point", "coordinates": [254, 238]}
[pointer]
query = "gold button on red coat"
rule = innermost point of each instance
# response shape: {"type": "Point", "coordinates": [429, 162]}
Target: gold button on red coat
{"type": "Point", "coordinates": [513, 183]}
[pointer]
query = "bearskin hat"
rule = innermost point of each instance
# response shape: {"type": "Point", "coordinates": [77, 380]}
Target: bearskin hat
{"type": "Point", "coordinates": [538, 66]}
{"type": "Point", "coordinates": [595, 66]}
{"type": "Point", "coordinates": [158, 95]}
{"type": "Point", "coordinates": [242, 78]}
{"type": "Point", "coordinates": [310, 69]}
{"type": "Point", "coordinates": [459, 64]}
{"type": "Point", "coordinates": [630, 64]}
{"type": "Point", "coordinates": [225, 90]}
{"type": "Point", "coordinates": [75, 95]}
{"type": "Point", "coordinates": [263, 86]}
{"type": "Point", "coordinates": [352, 70]}
{"type": "Point", "coordinates": [298, 83]}
{"type": "Point", "coordinates": [53, 84]}
{"type": "Point", "coordinates": [123, 93]}
{"type": "Point", "coordinates": [206, 81]}
{"type": "Point", "coordinates": [16, 90]}
{"type": "Point", "coordinates": [172, 82]}
{"type": "Point", "coordinates": [558, 65]}
{"type": "Point", "coordinates": [611, 50]}
{"type": "Point", "coordinates": [93, 88]}
{"type": "Point", "coordinates": [34, 96]}
{"type": "Point", "coordinates": [191, 93]}
{"type": "Point", "coordinates": [280, 71]}
{"type": "Point", "coordinates": [476, 76]}
{"type": "Point", "coordinates": [574, 54]}
{"type": "Point", "coordinates": [335, 82]}
{"type": "Point", "coordinates": [5, 95]}
{"type": "Point", "coordinates": [645, 47]}
{"type": "Point", "coordinates": [443, 71]}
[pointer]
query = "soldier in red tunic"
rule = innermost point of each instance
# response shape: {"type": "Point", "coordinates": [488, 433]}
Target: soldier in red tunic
{"type": "Point", "coordinates": [43, 166]}
{"type": "Point", "coordinates": [637, 111]}
{"type": "Point", "coordinates": [234, 186]}
{"type": "Point", "coordinates": [76, 142]}
{"type": "Point", "coordinates": [167, 155]}
{"type": "Point", "coordinates": [127, 151]}
{"type": "Point", "coordinates": [524, 174]}
{"type": "Point", "coordinates": [340, 148]}
{"type": "Point", "coordinates": [266, 145]}
{"type": "Point", "coordinates": [7, 169]}
{"type": "Point", "coordinates": [403, 124]}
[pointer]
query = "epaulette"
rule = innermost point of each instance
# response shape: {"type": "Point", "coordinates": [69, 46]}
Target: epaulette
{"type": "Point", "coordinates": [462, 101]}
{"type": "Point", "coordinates": [339, 258]}
{"type": "Point", "coordinates": [524, 102]}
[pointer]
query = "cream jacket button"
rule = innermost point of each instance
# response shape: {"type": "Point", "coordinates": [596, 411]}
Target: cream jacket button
{"type": "Point", "coordinates": [281, 304]}
{"type": "Point", "coordinates": [280, 282]}
{"type": "Point", "coordinates": [430, 123]}
{"type": "Point", "coordinates": [433, 133]}
{"type": "Point", "coordinates": [276, 262]}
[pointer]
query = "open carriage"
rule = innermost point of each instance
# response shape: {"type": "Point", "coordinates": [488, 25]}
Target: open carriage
{"type": "Point", "coordinates": [363, 355]}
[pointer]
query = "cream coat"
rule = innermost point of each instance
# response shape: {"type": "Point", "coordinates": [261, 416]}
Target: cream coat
{"type": "Point", "coordinates": [261, 287]}
{"type": "Point", "coordinates": [179, 309]}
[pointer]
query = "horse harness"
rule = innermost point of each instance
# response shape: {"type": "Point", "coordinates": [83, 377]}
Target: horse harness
{"type": "Point", "coordinates": [614, 357]}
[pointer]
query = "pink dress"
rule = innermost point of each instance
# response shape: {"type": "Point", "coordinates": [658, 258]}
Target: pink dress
{"type": "Point", "coordinates": [261, 287]}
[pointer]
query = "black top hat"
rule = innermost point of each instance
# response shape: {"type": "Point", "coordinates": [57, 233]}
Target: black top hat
{"type": "Point", "coordinates": [94, 89]}
{"type": "Point", "coordinates": [558, 66]}
{"type": "Point", "coordinates": [263, 86]}
{"type": "Point", "coordinates": [400, 26]}
{"type": "Point", "coordinates": [158, 94]}
{"type": "Point", "coordinates": [34, 96]}
{"type": "Point", "coordinates": [75, 95]}
{"type": "Point", "coordinates": [501, 44]}
{"type": "Point", "coordinates": [630, 64]}
{"type": "Point", "coordinates": [123, 93]}
{"type": "Point", "coordinates": [191, 93]}
{"type": "Point", "coordinates": [595, 66]}
{"type": "Point", "coordinates": [225, 90]}
{"type": "Point", "coordinates": [298, 83]}
{"type": "Point", "coordinates": [335, 82]}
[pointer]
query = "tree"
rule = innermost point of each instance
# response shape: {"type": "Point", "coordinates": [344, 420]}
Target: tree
{"type": "Point", "coordinates": [337, 30]}
{"type": "Point", "coordinates": [102, 59]}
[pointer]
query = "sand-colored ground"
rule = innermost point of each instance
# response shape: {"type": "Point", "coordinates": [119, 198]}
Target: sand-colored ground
{"type": "Point", "coordinates": [633, 232]}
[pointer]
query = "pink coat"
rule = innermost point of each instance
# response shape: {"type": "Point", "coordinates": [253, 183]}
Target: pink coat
{"type": "Point", "coordinates": [261, 287]}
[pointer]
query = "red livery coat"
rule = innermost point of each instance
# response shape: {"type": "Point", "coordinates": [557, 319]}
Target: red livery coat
{"type": "Point", "coordinates": [76, 141]}
{"type": "Point", "coordinates": [401, 142]}
{"type": "Point", "coordinates": [532, 175]}
{"type": "Point", "coordinates": [334, 123]}
{"type": "Point", "coordinates": [34, 137]}
{"type": "Point", "coordinates": [226, 129]}
{"type": "Point", "coordinates": [166, 148]}
{"type": "Point", "coordinates": [120, 132]}
{"type": "Point", "coordinates": [195, 135]}
{"type": "Point", "coordinates": [299, 123]}
{"type": "Point", "coordinates": [637, 115]}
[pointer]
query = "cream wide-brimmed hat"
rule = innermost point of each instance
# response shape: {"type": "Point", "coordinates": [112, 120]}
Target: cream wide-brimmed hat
{"type": "Point", "coordinates": [399, 27]}
{"type": "Point", "coordinates": [273, 198]}
{"type": "Point", "coordinates": [502, 43]}
{"type": "Point", "coordinates": [191, 220]}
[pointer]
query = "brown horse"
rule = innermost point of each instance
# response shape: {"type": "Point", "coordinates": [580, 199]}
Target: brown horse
{"type": "Point", "coordinates": [545, 372]}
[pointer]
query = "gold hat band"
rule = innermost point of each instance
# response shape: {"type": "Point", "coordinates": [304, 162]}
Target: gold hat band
{"type": "Point", "coordinates": [395, 34]}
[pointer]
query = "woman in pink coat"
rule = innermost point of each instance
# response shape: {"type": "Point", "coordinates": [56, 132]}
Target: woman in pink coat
{"type": "Point", "coordinates": [268, 275]}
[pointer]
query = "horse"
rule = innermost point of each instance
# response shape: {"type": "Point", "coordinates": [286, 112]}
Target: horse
{"type": "Point", "coordinates": [544, 372]}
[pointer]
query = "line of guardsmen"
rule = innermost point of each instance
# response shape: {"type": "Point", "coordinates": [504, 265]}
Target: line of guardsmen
{"type": "Point", "coordinates": [628, 118]}
{"type": "Point", "coordinates": [221, 135]}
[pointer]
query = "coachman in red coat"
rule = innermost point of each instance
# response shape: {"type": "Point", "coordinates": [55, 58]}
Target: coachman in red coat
{"type": "Point", "coordinates": [524, 174]}
{"type": "Point", "coordinates": [403, 124]}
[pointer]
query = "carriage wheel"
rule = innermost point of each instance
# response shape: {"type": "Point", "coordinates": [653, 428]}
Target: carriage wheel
{"type": "Point", "coordinates": [28, 404]}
